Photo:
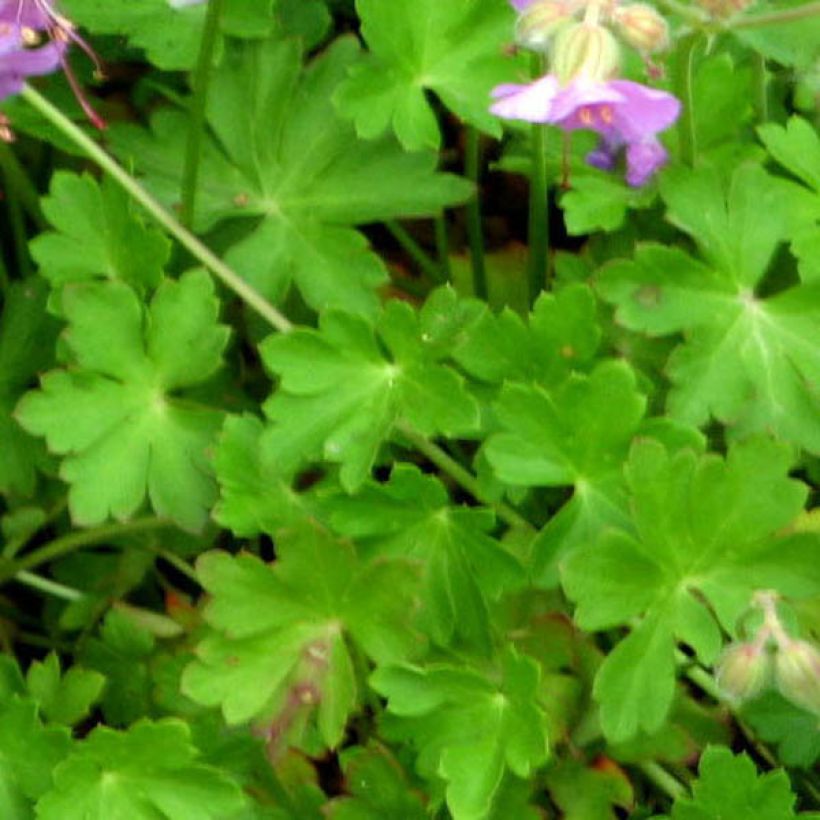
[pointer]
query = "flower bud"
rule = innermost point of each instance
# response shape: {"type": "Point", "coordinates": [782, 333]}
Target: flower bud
{"type": "Point", "coordinates": [797, 672]}
{"type": "Point", "coordinates": [642, 27]}
{"type": "Point", "coordinates": [743, 671]}
{"type": "Point", "coordinates": [585, 51]}
{"type": "Point", "coordinates": [540, 21]}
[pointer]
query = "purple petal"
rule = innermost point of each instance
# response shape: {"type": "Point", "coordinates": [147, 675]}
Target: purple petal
{"type": "Point", "coordinates": [645, 111]}
{"type": "Point", "coordinates": [578, 95]}
{"type": "Point", "coordinates": [532, 102]}
{"type": "Point", "coordinates": [605, 154]}
{"type": "Point", "coordinates": [24, 14]}
{"type": "Point", "coordinates": [10, 85]}
{"type": "Point", "coordinates": [643, 159]}
{"type": "Point", "coordinates": [521, 5]}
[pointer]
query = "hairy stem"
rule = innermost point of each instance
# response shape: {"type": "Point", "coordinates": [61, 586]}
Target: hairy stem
{"type": "Point", "coordinates": [539, 215]}
{"type": "Point", "coordinates": [447, 464]}
{"type": "Point", "coordinates": [205, 255]}
{"type": "Point", "coordinates": [661, 778]}
{"type": "Point", "coordinates": [74, 541]}
{"type": "Point", "coordinates": [425, 262]}
{"type": "Point", "coordinates": [443, 246]}
{"type": "Point", "coordinates": [48, 586]}
{"type": "Point", "coordinates": [774, 17]}
{"type": "Point", "coordinates": [200, 82]}
{"type": "Point", "coordinates": [684, 82]}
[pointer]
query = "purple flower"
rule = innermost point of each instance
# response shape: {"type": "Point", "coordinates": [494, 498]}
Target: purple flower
{"type": "Point", "coordinates": [22, 25]}
{"type": "Point", "coordinates": [19, 59]}
{"type": "Point", "coordinates": [626, 115]}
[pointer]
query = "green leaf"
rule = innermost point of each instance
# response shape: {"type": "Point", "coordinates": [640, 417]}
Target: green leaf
{"type": "Point", "coordinates": [795, 731]}
{"type": "Point", "coordinates": [453, 49]}
{"type": "Point", "coordinates": [122, 654]}
{"type": "Point", "coordinates": [462, 566]}
{"type": "Point", "coordinates": [575, 435]}
{"type": "Point", "coordinates": [469, 729]}
{"type": "Point", "coordinates": [588, 793]}
{"type": "Point", "coordinates": [796, 146]}
{"type": "Point", "coordinates": [97, 236]}
{"type": "Point", "coordinates": [729, 786]}
{"type": "Point", "coordinates": [27, 336]}
{"type": "Point", "coordinates": [737, 228]}
{"type": "Point", "coordinates": [254, 498]}
{"type": "Point", "coordinates": [749, 361]}
{"type": "Point", "coordinates": [562, 334]}
{"type": "Point", "coordinates": [146, 773]}
{"type": "Point", "coordinates": [280, 158]}
{"type": "Point", "coordinates": [377, 788]}
{"type": "Point", "coordinates": [169, 33]}
{"type": "Point", "coordinates": [117, 417]}
{"type": "Point", "coordinates": [28, 754]}
{"type": "Point", "coordinates": [345, 387]}
{"type": "Point", "coordinates": [790, 43]}
{"type": "Point", "coordinates": [722, 103]}
{"type": "Point", "coordinates": [65, 699]}
{"type": "Point", "coordinates": [600, 202]}
{"type": "Point", "coordinates": [278, 637]}
{"type": "Point", "coordinates": [707, 534]}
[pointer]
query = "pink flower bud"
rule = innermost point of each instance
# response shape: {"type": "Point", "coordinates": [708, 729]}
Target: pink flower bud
{"type": "Point", "coordinates": [540, 21]}
{"type": "Point", "coordinates": [585, 52]}
{"type": "Point", "coordinates": [743, 671]}
{"type": "Point", "coordinates": [797, 672]}
{"type": "Point", "coordinates": [642, 27]}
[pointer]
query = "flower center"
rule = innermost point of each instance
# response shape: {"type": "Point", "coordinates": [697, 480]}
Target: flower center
{"type": "Point", "coordinates": [591, 116]}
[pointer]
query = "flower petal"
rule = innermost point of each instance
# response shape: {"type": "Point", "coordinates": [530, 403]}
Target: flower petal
{"type": "Point", "coordinates": [645, 111]}
{"type": "Point", "coordinates": [643, 159]}
{"type": "Point", "coordinates": [532, 102]}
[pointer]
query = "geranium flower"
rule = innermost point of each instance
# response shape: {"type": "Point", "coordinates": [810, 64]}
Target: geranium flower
{"type": "Point", "coordinates": [23, 25]}
{"type": "Point", "coordinates": [21, 57]}
{"type": "Point", "coordinates": [627, 115]}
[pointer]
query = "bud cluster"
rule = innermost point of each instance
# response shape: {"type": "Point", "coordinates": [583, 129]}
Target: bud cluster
{"type": "Point", "coordinates": [581, 32]}
{"type": "Point", "coordinates": [772, 656]}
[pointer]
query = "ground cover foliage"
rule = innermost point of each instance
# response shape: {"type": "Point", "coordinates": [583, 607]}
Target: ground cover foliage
{"type": "Point", "coordinates": [366, 455]}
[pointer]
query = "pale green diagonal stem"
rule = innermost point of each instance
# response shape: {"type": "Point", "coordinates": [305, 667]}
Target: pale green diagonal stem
{"type": "Point", "coordinates": [200, 251]}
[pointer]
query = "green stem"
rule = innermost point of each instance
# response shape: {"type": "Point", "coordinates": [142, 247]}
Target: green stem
{"type": "Point", "coordinates": [175, 561]}
{"type": "Point", "coordinates": [538, 229]}
{"type": "Point", "coordinates": [20, 185]}
{"type": "Point", "coordinates": [539, 215]}
{"type": "Point", "coordinates": [205, 255]}
{"type": "Point", "coordinates": [461, 476]}
{"type": "Point", "coordinates": [684, 82]}
{"type": "Point", "coordinates": [774, 17]}
{"type": "Point", "coordinates": [415, 251]}
{"type": "Point", "coordinates": [5, 279]}
{"type": "Point", "coordinates": [475, 237]}
{"type": "Point", "coordinates": [700, 677]}
{"type": "Point", "coordinates": [48, 586]}
{"type": "Point", "coordinates": [200, 83]}
{"type": "Point", "coordinates": [74, 541]}
{"type": "Point", "coordinates": [661, 778]}
{"type": "Point", "coordinates": [443, 246]}
{"type": "Point", "coordinates": [12, 547]}
{"type": "Point", "coordinates": [761, 76]}
{"type": "Point", "coordinates": [692, 15]}
{"type": "Point", "coordinates": [20, 237]}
